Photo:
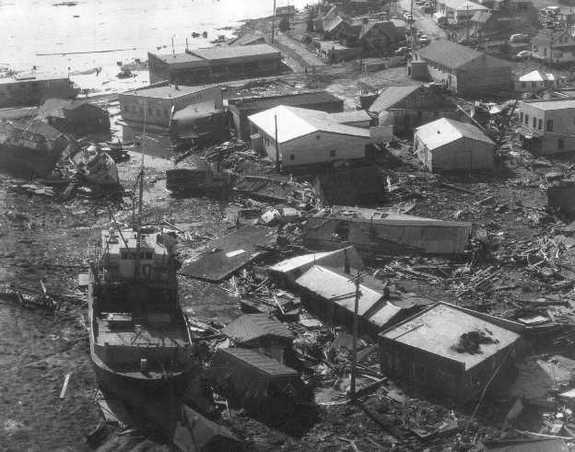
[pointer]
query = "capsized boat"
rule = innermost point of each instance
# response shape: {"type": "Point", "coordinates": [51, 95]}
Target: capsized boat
{"type": "Point", "coordinates": [139, 336]}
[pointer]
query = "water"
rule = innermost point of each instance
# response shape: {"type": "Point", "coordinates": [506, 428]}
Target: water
{"type": "Point", "coordinates": [132, 27]}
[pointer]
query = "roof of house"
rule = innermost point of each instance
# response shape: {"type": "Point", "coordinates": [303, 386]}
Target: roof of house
{"type": "Point", "coordinates": [179, 58]}
{"type": "Point", "coordinates": [537, 76]}
{"type": "Point", "coordinates": [392, 95]}
{"type": "Point", "coordinates": [304, 98]}
{"type": "Point", "coordinates": [442, 131]}
{"type": "Point", "coordinates": [230, 52]}
{"type": "Point", "coordinates": [248, 38]}
{"type": "Point", "coordinates": [456, 56]}
{"type": "Point", "coordinates": [556, 104]}
{"type": "Point", "coordinates": [350, 116]}
{"type": "Point", "coordinates": [304, 260]}
{"type": "Point", "coordinates": [249, 327]}
{"type": "Point", "coordinates": [463, 5]}
{"type": "Point", "coordinates": [56, 107]}
{"type": "Point", "coordinates": [293, 122]}
{"type": "Point", "coordinates": [262, 362]}
{"type": "Point", "coordinates": [439, 329]}
{"type": "Point", "coordinates": [338, 288]}
{"type": "Point", "coordinates": [331, 23]}
{"type": "Point", "coordinates": [34, 77]}
{"type": "Point", "coordinates": [167, 91]}
{"type": "Point", "coordinates": [387, 27]}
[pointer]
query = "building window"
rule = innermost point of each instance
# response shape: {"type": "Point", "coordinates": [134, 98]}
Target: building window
{"type": "Point", "coordinates": [521, 117]}
{"type": "Point", "coordinates": [317, 137]}
{"type": "Point", "coordinates": [534, 122]}
{"type": "Point", "coordinates": [523, 84]}
{"type": "Point", "coordinates": [550, 125]}
{"type": "Point", "coordinates": [540, 125]}
{"type": "Point", "coordinates": [544, 51]}
{"type": "Point", "coordinates": [292, 157]}
{"type": "Point", "coordinates": [560, 144]}
{"type": "Point", "coordinates": [332, 153]}
{"type": "Point", "coordinates": [526, 119]}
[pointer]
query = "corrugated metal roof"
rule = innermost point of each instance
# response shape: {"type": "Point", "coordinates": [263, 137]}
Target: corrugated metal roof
{"type": "Point", "coordinates": [438, 329]}
{"type": "Point", "coordinates": [455, 56]}
{"type": "Point", "coordinates": [338, 288]}
{"type": "Point", "coordinates": [537, 76]}
{"type": "Point", "coordinates": [293, 122]}
{"type": "Point", "coordinates": [392, 95]}
{"type": "Point", "coordinates": [227, 52]}
{"type": "Point", "coordinates": [262, 362]}
{"type": "Point", "coordinates": [249, 327]}
{"type": "Point", "coordinates": [442, 131]}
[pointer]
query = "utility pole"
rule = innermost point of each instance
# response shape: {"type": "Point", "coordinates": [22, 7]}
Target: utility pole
{"type": "Point", "coordinates": [277, 144]}
{"type": "Point", "coordinates": [274, 22]}
{"type": "Point", "coordinates": [355, 334]}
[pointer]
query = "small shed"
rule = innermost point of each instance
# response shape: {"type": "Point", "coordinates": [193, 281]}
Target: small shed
{"type": "Point", "coordinates": [451, 351]}
{"type": "Point", "coordinates": [535, 81]}
{"type": "Point", "coordinates": [263, 333]}
{"type": "Point", "coordinates": [449, 145]}
{"type": "Point", "coordinates": [256, 382]}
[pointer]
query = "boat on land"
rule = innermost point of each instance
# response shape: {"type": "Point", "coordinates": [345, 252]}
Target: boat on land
{"type": "Point", "coordinates": [139, 336]}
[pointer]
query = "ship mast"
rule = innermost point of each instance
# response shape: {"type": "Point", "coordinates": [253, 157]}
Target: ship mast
{"type": "Point", "coordinates": [138, 224]}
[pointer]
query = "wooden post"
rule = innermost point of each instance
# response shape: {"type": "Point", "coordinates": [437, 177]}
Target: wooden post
{"type": "Point", "coordinates": [354, 343]}
{"type": "Point", "coordinates": [278, 167]}
{"type": "Point", "coordinates": [274, 22]}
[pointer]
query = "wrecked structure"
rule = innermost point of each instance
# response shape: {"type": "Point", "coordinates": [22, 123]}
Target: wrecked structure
{"type": "Point", "coordinates": [406, 107]}
{"type": "Point", "coordinates": [79, 117]}
{"type": "Point", "coordinates": [33, 89]}
{"type": "Point", "coordinates": [298, 137]}
{"type": "Point", "coordinates": [215, 64]}
{"type": "Point", "coordinates": [362, 185]}
{"type": "Point", "coordinates": [449, 145]}
{"type": "Point", "coordinates": [450, 351]}
{"type": "Point", "coordinates": [375, 233]}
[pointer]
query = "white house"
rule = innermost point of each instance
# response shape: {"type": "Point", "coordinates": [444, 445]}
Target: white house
{"type": "Point", "coordinates": [306, 137]}
{"type": "Point", "coordinates": [535, 81]}
{"type": "Point", "coordinates": [448, 145]}
{"type": "Point", "coordinates": [458, 11]}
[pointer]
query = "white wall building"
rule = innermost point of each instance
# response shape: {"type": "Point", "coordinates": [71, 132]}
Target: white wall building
{"type": "Point", "coordinates": [306, 137]}
{"type": "Point", "coordinates": [535, 81]}
{"type": "Point", "coordinates": [449, 145]}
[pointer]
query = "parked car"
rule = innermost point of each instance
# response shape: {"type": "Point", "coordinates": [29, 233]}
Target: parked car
{"type": "Point", "coordinates": [523, 55]}
{"type": "Point", "coordinates": [519, 37]}
{"type": "Point", "coordinates": [424, 40]}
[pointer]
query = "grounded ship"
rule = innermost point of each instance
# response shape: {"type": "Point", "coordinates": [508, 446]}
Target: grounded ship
{"type": "Point", "coordinates": [33, 149]}
{"type": "Point", "coordinates": [139, 337]}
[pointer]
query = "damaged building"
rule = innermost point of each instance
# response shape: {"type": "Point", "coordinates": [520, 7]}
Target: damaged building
{"type": "Point", "coordinates": [465, 71]}
{"type": "Point", "coordinates": [78, 117]}
{"type": "Point", "coordinates": [301, 137]}
{"type": "Point", "coordinates": [449, 145]}
{"type": "Point", "coordinates": [215, 64]}
{"type": "Point", "coordinates": [377, 233]}
{"type": "Point", "coordinates": [406, 107]}
{"type": "Point", "coordinates": [362, 185]}
{"type": "Point", "coordinates": [451, 351]}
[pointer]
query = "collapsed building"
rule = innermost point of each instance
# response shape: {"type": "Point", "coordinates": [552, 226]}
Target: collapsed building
{"type": "Point", "coordinates": [375, 233]}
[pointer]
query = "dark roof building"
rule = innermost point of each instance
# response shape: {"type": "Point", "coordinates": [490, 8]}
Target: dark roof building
{"type": "Point", "coordinates": [465, 71]}
{"type": "Point", "coordinates": [450, 351]}
{"type": "Point", "coordinates": [215, 64]}
{"type": "Point", "coordinates": [250, 328]}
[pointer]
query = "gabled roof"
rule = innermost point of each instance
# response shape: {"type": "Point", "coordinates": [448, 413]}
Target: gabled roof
{"type": "Point", "coordinates": [442, 131]}
{"type": "Point", "coordinates": [391, 96]}
{"type": "Point", "coordinates": [167, 90]}
{"type": "Point", "coordinates": [249, 327]}
{"type": "Point", "coordinates": [344, 117]}
{"type": "Point", "coordinates": [293, 122]}
{"type": "Point", "coordinates": [456, 56]}
{"type": "Point", "coordinates": [537, 76]}
{"type": "Point", "coordinates": [331, 23]}
{"type": "Point", "coordinates": [438, 329]}
{"type": "Point", "coordinates": [387, 27]}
